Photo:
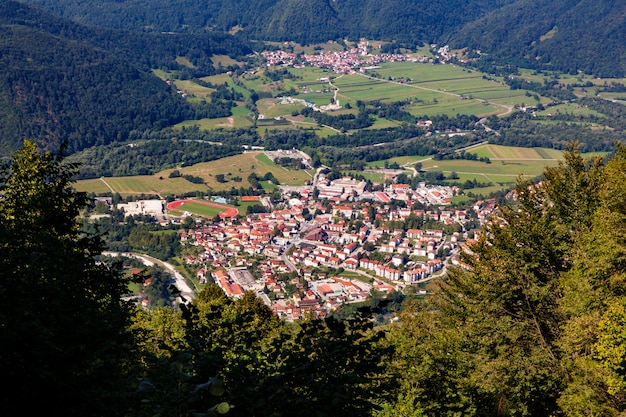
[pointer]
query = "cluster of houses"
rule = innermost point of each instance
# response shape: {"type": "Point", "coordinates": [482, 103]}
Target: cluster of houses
{"type": "Point", "coordinates": [347, 188]}
{"type": "Point", "coordinates": [357, 59]}
{"type": "Point", "coordinates": [316, 239]}
{"type": "Point", "coordinates": [345, 250]}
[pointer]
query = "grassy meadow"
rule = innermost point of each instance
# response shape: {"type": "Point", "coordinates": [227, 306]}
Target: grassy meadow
{"type": "Point", "coordinates": [507, 164]}
{"type": "Point", "coordinates": [232, 167]}
{"type": "Point", "coordinates": [430, 89]}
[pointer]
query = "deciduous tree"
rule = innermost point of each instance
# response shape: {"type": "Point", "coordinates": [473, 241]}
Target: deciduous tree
{"type": "Point", "coordinates": [63, 340]}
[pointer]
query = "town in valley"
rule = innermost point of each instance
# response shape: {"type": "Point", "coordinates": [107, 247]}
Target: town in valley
{"type": "Point", "coordinates": [331, 242]}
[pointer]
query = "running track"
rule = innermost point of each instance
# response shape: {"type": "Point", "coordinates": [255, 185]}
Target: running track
{"type": "Point", "coordinates": [228, 212]}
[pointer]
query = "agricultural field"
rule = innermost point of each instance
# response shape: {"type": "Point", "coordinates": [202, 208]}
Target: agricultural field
{"type": "Point", "coordinates": [269, 108]}
{"type": "Point", "coordinates": [498, 152]}
{"type": "Point", "coordinates": [374, 177]}
{"type": "Point", "coordinates": [502, 171]}
{"type": "Point", "coordinates": [573, 109]}
{"type": "Point", "coordinates": [141, 184]}
{"type": "Point", "coordinates": [220, 122]}
{"type": "Point", "coordinates": [430, 90]}
{"type": "Point", "coordinates": [223, 61]}
{"type": "Point", "coordinates": [578, 80]}
{"type": "Point", "coordinates": [507, 165]}
{"type": "Point", "coordinates": [233, 167]}
{"type": "Point", "coordinates": [191, 88]}
{"type": "Point", "coordinates": [217, 79]}
{"type": "Point", "coordinates": [434, 89]}
{"type": "Point", "coordinates": [621, 97]}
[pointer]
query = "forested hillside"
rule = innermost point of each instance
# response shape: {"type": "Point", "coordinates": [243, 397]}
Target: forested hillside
{"type": "Point", "coordinates": [533, 324]}
{"type": "Point", "coordinates": [63, 81]}
{"type": "Point", "coordinates": [301, 21]}
{"type": "Point", "coordinates": [570, 36]}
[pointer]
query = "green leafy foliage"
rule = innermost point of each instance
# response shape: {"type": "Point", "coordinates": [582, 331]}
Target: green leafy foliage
{"type": "Point", "coordinates": [566, 35]}
{"type": "Point", "coordinates": [534, 325]}
{"type": "Point", "coordinates": [306, 22]}
{"type": "Point", "coordinates": [263, 365]}
{"type": "Point", "coordinates": [571, 36]}
{"type": "Point", "coordinates": [63, 337]}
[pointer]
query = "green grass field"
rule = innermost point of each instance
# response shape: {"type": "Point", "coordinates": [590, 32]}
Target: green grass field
{"type": "Point", "coordinates": [508, 163]}
{"type": "Point", "coordinates": [201, 209]}
{"type": "Point", "coordinates": [264, 159]}
{"type": "Point", "coordinates": [430, 89]}
{"type": "Point", "coordinates": [568, 108]}
{"type": "Point", "coordinates": [372, 176]}
{"type": "Point", "coordinates": [217, 79]}
{"type": "Point", "coordinates": [223, 60]}
{"type": "Point", "coordinates": [190, 87]}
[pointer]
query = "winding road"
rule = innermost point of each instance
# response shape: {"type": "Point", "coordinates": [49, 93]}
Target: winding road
{"type": "Point", "coordinates": [181, 282]}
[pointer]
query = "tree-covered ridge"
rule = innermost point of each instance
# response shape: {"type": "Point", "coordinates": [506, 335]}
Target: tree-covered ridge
{"type": "Point", "coordinates": [412, 21]}
{"type": "Point", "coordinates": [55, 89]}
{"type": "Point", "coordinates": [564, 35]}
{"type": "Point", "coordinates": [64, 82]}
{"type": "Point", "coordinates": [146, 50]}
{"type": "Point", "coordinates": [66, 332]}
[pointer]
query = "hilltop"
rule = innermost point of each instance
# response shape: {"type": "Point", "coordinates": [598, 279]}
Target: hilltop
{"type": "Point", "coordinates": [296, 20]}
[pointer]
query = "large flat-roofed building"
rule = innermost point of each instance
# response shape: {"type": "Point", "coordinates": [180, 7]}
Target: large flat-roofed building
{"type": "Point", "coordinates": [151, 207]}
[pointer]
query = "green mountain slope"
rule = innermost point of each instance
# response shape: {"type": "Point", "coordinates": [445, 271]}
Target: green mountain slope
{"type": "Point", "coordinates": [585, 35]}
{"type": "Point", "coordinates": [301, 21]}
{"type": "Point", "coordinates": [62, 81]}
{"type": "Point", "coordinates": [567, 35]}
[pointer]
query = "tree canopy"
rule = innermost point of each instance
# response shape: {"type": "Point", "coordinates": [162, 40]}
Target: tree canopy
{"type": "Point", "coordinates": [532, 324]}
{"type": "Point", "coordinates": [63, 337]}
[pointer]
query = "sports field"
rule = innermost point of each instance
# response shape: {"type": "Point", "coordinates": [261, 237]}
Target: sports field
{"type": "Point", "coordinates": [201, 208]}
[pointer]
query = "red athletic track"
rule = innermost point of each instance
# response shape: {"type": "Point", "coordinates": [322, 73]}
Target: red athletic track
{"type": "Point", "coordinates": [229, 211]}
